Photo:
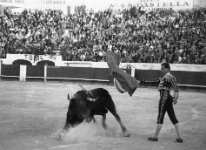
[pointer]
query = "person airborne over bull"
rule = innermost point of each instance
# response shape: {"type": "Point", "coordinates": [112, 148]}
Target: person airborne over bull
{"type": "Point", "coordinates": [121, 79]}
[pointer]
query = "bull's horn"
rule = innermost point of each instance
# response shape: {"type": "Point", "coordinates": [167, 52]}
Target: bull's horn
{"type": "Point", "coordinates": [68, 97]}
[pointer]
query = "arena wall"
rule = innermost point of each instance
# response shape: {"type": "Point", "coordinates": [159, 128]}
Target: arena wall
{"type": "Point", "coordinates": [187, 74]}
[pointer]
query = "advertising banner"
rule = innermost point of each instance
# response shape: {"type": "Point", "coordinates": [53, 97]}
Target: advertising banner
{"type": "Point", "coordinates": [7, 3]}
{"type": "Point", "coordinates": [36, 4]}
{"type": "Point", "coordinates": [166, 4]}
{"type": "Point", "coordinates": [62, 4]}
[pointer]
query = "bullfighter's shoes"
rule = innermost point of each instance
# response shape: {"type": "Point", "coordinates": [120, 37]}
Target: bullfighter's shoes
{"type": "Point", "coordinates": [179, 140]}
{"type": "Point", "coordinates": [153, 139]}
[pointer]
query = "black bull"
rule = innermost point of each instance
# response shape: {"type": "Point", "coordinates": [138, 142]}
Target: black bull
{"type": "Point", "coordinates": [85, 104]}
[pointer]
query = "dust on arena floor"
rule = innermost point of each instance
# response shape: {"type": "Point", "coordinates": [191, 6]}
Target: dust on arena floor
{"type": "Point", "coordinates": [31, 113]}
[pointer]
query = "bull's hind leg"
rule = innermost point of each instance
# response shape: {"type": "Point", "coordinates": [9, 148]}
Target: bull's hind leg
{"type": "Point", "coordinates": [124, 130]}
{"type": "Point", "coordinates": [111, 107]}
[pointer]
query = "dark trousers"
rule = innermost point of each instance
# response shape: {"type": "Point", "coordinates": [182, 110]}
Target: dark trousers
{"type": "Point", "coordinates": [166, 105]}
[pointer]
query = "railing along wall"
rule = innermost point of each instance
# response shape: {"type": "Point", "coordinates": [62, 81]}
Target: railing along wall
{"type": "Point", "coordinates": [187, 74]}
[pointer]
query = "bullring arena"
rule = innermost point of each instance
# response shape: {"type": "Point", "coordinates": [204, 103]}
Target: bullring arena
{"type": "Point", "coordinates": [44, 43]}
{"type": "Point", "coordinates": [32, 113]}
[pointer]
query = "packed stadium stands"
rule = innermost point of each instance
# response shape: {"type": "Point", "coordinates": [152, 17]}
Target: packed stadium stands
{"type": "Point", "coordinates": [139, 36]}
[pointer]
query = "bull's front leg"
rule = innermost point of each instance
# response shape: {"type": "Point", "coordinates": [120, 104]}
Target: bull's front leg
{"type": "Point", "coordinates": [66, 126]}
{"type": "Point", "coordinates": [104, 125]}
{"type": "Point", "coordinates": [60, 135]}
{"type": "Point", "coordinates": [68, 122]}
{"type": "Point", "coordinates": [93, 119]}
{"type": "Point", "coordinates": [88, 116]}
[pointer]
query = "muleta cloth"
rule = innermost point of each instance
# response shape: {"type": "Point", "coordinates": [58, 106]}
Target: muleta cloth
{"type": "Point", "coordinates": [122, 81]}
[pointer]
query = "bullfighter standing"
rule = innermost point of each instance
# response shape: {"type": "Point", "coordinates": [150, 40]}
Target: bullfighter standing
{"type": "Point", "coordinates": [166, 101]}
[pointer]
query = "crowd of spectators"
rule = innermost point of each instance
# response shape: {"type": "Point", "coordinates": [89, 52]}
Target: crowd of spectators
{"type": "Point", "coordinates": [139, 36]}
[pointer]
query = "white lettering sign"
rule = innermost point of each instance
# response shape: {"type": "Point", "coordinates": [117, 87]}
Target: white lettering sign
{"type": "Point", "coordinates": [166, 4]}
{"type": "Point", "coordinates": [62, 4]}
{"type": "Point", "coordinates": [36, 4]}
{"type": "Point", "coordinates": [13, 2]}
{"type": "Point", "coordinates": [35, 58]}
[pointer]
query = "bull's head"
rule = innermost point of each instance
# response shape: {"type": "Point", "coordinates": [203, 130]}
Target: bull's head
{"type": "Point", "coordinates": [77, 109]}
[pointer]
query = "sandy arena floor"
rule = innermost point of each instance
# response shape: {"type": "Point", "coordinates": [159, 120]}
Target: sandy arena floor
{"type": "Point", "coordinates": [32, 113]}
